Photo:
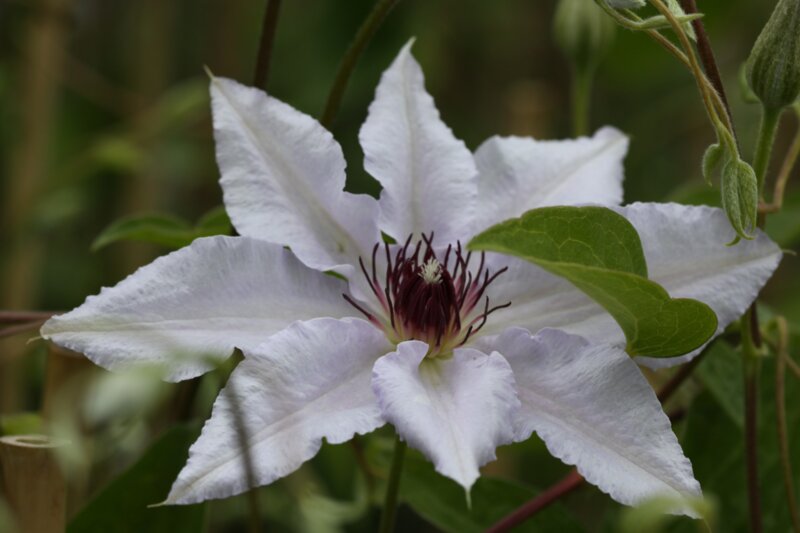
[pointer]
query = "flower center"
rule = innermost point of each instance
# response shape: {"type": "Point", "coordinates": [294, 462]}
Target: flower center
{"type": "Point", "coordinates": [427, 299]}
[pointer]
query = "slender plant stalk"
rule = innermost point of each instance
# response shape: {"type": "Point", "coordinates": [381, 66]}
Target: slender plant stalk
{"type": "Point", "coordinates": [247, 458]}
{"type": "Point", "coordinates": [24, 316]}
{"type": "Point", "coordinates": [766, 138]}
{"type": "Point", "coordinates": [393, 488]}
{"type": "Point", "coordinates": [669, 388]}
{"type": "Point", "coordinates": [699, 75]}
{"type": "Point", "coordinates": [363, 465]}
{"type": "Point", "coordinates": [346, 67]}
{"type": "Point", "coordinates": [581, 99]}
{"type": "Point", "coordinates": [629, 19]}
{"type": "Point", "coordinates": [348, 64]}
{"type": "Point", "coordinates": [782, 355]}
{"type": "Point", "coordinates": [751, 366]}
{"type": "Point", "coordinates": [751, 338]}
{"type": "Point", "coordinates": [568, 484]}
{"type": "Point", "coordinates": [16, 329]}
{"type": "Point", "coordinates": [706, 54]}
{"type": "Point", "coordinates": [794, 367]}
{"type": "Point", "coordinates": [261, 76]}
{"type": "Point", "coordinates": [783, 176]}
{"type": "Point", "coordinates": [268, 29]}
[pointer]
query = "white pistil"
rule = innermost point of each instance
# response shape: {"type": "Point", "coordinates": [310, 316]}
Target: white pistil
{"type": "Point", "coordinates": [431, 271]}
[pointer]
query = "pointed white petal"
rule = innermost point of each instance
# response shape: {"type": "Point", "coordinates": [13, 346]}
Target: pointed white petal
{"type": "Point", "coordinates": [188, 310]}
{"type": "Point", "coordinates": [594, 409]}
{"type": "Point", "coordinates": [456, 411]}
{"type": "Point", "coordinates": [686, 252]}
{"type": "Point", "coordinates": [517, 174]}
{"type": "Point", "coordinates": [308, 382]}
{"type": "Point", "coordinates": [428, 176]}
{"type": "Point", "coordinates": [282, 177]}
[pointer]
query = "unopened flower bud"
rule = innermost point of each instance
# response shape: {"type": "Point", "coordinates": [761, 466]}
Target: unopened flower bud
{"type": "Point", "coordinates": [740, 196]}
{"type": "Point", "coordinates": [774, 64]}
{"type": "Point", "coordinates": [583, 31]}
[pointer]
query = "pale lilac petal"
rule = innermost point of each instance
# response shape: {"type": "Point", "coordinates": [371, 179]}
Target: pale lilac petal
{"type": "Point", "coordinates": [456, 411]}
{"type": "Point", "coordinates": [594, 409]}
{"type": "Point", "coordinates": [308, 382]}
{"type": "Point", "coordinates": [428, 176]}
{"type": "Point", "coordinates": [686, 252]}
{"type": "Point", "coordinates": [186, 311]}
{"type": "Point", "coordinates": [282, 178]}
{"type": "Point", "coordinates": [517, 174]}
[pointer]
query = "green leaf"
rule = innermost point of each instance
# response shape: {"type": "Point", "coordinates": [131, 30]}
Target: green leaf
{"type": "Point", "coordinates": [122, 507]}
{"type": "Point", "coordinates": [711, 161]}
{"type": "Point", "coordinates": [164, 230]}
{"type": "Point", "coordinates": [441, 501]}
{"type": "Point", "coordinates": [715, 445]}
{"type": "Point", "coordinates": [214, 222]}
{"type": "Point", "coordinates": [680, 14]}
{"type": "Point", "coordinates": [600, 252]}
{"type": "Point", "coordinates": [721, 373]}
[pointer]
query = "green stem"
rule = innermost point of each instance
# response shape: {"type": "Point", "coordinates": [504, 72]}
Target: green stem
{"type": "Point", "coordinates": [582, 78]}
{"type": "Point", "coordinates": [751, 365]}
{"type": "Point", "coordinates": [362, 38]}
{"type": "Point", "coordinates": [766, 137]}
{"type": "Point", "coordinates": [785, 172]}
{"type": "Point", "coordinates": [393, 489]}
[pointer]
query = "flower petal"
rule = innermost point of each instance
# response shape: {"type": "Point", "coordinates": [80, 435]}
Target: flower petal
{"type": "Point", "coordinates": [517, 174]}
{"type": "Point", "coordinates": [686, 252]}
{"type": "Point", "coordinates": [282, 177]}
{"type": "Point", "coordinates": [456, 411]}
{"type": "Point", "coordinates": [428, 176]}
{"type": "Point", "coordinates": [308, 382]}
{"type": "Point", "coordinates": [189, 309]}
{"type": "Point", "coordinates": [594, 409]}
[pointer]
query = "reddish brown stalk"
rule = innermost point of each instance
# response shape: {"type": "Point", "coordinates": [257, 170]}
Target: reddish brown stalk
{"type": "Point", "coordinates": [707, 54]}
{"type": "Point", "coordinates": [10, 317]}
{"type": "Point", "coordinates": [20, 328]}
{"type": "Point", "coordinates": [571, 481]}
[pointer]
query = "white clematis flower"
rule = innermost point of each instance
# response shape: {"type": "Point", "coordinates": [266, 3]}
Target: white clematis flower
{"type": "Point", "coordinates": [460, 353]}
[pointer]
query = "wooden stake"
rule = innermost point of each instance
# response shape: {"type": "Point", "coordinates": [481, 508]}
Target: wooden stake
{"type": "Point", "coordinates": [64, 369]}
{"type": "Point", "coordinates": [33, 483]}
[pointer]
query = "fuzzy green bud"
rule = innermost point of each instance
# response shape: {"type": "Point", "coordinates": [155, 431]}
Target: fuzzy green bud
{"type": "Point", "coordinates": [773, 69]}
{"type": "Point", "coordinates": [740, 196]}
{"type": "Point", "coordinates": [583, 32]}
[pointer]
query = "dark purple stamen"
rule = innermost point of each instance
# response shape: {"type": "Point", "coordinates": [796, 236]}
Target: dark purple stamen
{"type": "Point", "coordinates": [424, 299]}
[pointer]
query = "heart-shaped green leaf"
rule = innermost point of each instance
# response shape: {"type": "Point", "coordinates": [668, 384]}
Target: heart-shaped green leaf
{"type": "Point", "coordinates": [600, 253]}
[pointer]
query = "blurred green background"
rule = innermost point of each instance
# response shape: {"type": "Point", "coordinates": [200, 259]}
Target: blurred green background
{"type": "Point", "coordinates": [104, 113]}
